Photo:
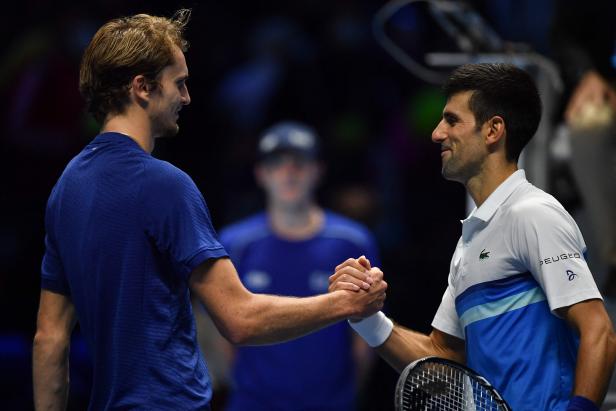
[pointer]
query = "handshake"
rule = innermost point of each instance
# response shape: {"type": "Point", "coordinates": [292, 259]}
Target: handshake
{"type": "Point", "coordinates": [363, 284]}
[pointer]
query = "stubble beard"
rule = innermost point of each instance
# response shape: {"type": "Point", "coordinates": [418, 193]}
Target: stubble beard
{"type": "Point", "coordinates": [170, 129]}
{"type": "Point", "coordinates": [458, 171]}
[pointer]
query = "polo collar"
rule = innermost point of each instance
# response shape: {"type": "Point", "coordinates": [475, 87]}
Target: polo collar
{"type": "Point", "coordinates": [116, 138]}
{"type": "Point", "coordinates": [498, 196]}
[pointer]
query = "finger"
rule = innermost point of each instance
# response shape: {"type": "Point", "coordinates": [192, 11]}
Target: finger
{"type": "Point", "coordinates": [363, 260]}
{"type": "Point", "coordinates": [348, 278]}
{"type": "Point", "coordinates": [350, 262]}
{"type": "Point", "coordinates": [359, 274]}
{"type": "Point", "coordinates": [343, 285]}
{"type": "Point", "coordinates": [378, 288]}
{"type": "Point", "coordinates": [375, 273]}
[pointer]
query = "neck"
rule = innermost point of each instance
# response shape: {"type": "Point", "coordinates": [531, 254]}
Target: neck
{"type": "Point", "coordinates": [491, 176]}
{"type": "Point", "coordinates": [296, 223]}
{"type": "Point", "coordinates": [133, 125]}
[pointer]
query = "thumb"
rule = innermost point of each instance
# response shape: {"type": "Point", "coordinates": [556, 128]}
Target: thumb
{"type": "Point", "coordinates": [364, 262]}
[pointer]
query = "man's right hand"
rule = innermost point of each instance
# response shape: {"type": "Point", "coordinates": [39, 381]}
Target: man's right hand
{"type": "Point", "coordinates": [365, 283]}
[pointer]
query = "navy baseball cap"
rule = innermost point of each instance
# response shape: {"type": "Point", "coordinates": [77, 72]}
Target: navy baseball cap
{"type": "Point", "coordinates": [289, 136]}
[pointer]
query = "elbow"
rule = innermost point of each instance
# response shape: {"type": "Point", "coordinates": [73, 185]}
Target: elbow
{"type": "Point", "coordinates": [240, 334]}
{"type": "Point", "coordinates": [612, 347]}
{"type": "Point", "coordinates": [604, 336]}
{"type": "Point", "coordinates": [240, 330]}
{"type": "Point", "coordinates": [44, 340]}
{"type": "Point", "coordinates": [238, 338]}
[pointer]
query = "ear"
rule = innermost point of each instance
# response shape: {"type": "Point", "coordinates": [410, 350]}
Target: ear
{"type": "Point", "coordinates": [141, 89]}
{"type": "Point", "coordinates": [495, 131]}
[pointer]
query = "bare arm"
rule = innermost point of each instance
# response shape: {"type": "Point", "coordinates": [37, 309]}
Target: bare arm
{"type": "Point", "coordinates": [404, 346]}
{"type": "Point", "coordinates": [597, 350]}
{"type": "Point", "coordinates": [247, 318]}
{"type": "Point", "coordinates": [55, 323]}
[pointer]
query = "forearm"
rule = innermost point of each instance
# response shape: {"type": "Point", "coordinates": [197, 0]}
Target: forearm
{"type": "Point", "coordinates": [595, 363]}
{"type": "Point", "coordinates": [267, 319]}
{"type": "Point", "coordinates": [50, 373]}
{"type": "Point", "coordinates": [404, 346]}
{"type": "Point", "coordinates": [247, 318]}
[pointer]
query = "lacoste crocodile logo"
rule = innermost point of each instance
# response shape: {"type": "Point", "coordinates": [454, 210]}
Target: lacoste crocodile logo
{"type": "Point", "coordinates": [484, 254]}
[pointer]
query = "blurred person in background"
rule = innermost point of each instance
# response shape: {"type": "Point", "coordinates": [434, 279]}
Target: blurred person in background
{"type": "Point", "coordinates": [129, 237]}
{"type": "Point", "coordinates": [320, 371]}
{"type": "Point", "coordinates": [583, 38]}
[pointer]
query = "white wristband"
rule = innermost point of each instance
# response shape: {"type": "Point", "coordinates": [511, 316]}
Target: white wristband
{"type": "Point", "coordinates": [374, 329]}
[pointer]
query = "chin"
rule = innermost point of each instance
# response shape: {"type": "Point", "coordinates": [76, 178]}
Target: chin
{"type": "Point", "coordinates": [170, 131]}
{"type": "Point", "coordinates": [449, 174]}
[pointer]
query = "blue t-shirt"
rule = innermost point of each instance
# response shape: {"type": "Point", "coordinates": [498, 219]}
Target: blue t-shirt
{"type": "Point", "coordinates": [124, 232]}
{"type": "Point", "coordinates": [315, 372]}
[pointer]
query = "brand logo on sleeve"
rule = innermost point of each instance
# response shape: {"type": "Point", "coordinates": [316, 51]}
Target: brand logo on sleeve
{"type": "Point", "coordinates": [571, 275]}
{"type": "Point", "coordinates": [563, 256]}
{"type": "Point", "coordinates": [484, 254]}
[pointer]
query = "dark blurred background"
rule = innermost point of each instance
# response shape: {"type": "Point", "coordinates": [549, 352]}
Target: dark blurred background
{"type": "Point", "coordinates": [252, 63]}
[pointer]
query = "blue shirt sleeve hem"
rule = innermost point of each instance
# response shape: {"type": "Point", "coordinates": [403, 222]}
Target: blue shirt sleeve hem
{"type": "Point", "coordinates": [54, 286]}
{"type": "Point", "coordinates": [203, 255]}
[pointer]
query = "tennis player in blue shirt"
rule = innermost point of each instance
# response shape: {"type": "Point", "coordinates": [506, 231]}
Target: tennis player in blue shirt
{"type": "Point", "coordinates": [129, 237]}
{"type": "Point", "coordinates": [295, 231]}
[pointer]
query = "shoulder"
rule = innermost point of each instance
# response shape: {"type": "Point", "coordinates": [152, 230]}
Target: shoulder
{"type": "Point", "coordinates": [244, 231]}
{"type": "Point", "coordinates": [533, 205]}
{"type": "Point", "coordinates": [340, 227]}
{"type": "Point", "coordinates": [162, 172]}
{"type": "Point", "coordinates": [535, 213]}
{"type": "Point", "coordinates": [164, 179]}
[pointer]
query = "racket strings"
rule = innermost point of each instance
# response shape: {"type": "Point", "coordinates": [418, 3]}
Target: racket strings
{"type": "Point", "coordinates": [439, 387]}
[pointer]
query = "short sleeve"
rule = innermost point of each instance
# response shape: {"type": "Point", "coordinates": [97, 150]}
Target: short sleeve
{"type": "Point", "coordinates": [53, 277]}
{"type": "Point", "coordinates": [446, 318]}
{"type": "Point", "coordinates": [176, 217]}
{"type": "Point", "coordinates": [548, 242]}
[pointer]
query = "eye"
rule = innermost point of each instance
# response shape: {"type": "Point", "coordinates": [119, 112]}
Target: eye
{"type": "Point", "coordinates": [181, 83]}
{"type": "Point", "coordinates": [450, 119]}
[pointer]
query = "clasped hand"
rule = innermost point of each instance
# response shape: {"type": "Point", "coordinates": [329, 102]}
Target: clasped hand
{"type": "Point", "coordinates": [363, 283]}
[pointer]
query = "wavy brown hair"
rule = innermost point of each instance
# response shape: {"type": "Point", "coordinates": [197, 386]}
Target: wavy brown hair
{"type": "Point", "coordinates": [122, 49]}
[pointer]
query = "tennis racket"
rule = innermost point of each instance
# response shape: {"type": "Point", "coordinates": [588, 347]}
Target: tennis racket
{"type": "Point", "coordinates": [436, 384]}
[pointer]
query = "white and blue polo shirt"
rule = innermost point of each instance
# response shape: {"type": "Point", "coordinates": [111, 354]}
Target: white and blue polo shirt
{"type": "Point", "coordinates": [520, 257]}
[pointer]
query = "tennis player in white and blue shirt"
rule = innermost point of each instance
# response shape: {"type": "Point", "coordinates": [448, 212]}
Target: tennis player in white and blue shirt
{"type": "Point", "coordinates": [521, 307]}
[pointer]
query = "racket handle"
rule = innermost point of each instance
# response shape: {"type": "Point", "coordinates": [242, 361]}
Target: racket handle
{"type": "Point", "coordinates": [375, 329]}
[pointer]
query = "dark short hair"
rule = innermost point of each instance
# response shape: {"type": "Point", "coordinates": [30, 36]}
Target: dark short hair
{"type": "Point", "coordinates": [500, 90]}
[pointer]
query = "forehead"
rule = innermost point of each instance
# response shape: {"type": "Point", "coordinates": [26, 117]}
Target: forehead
{"type": "Point", "coordinates": [178, 67]}
{"type": "Point", "coordinates": [278, 157]}
{"type": "Point", "coordinates": [459, 103]}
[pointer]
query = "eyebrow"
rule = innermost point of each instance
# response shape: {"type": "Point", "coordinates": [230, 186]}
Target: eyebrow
{"type": "Point", "coordinates": [450, 116]}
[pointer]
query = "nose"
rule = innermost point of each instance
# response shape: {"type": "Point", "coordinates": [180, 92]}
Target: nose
{"type": "Point", "coordinates": [289, 164]}
{"type": "Point", "coordinates": [185, 97]}
{"type": "Point", "coordinates": [439, 134]}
